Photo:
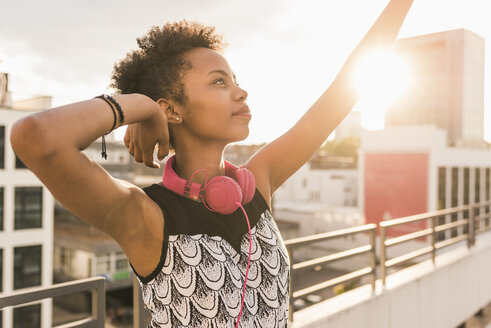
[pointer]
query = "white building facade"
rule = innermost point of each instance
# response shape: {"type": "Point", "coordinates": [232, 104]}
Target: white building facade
{"type": "Point", "coordinates": [410, 170]}
{"type": "Point", "coordinates": [26, 232]}
{"type": "Point", "coordinates": [336, 187]}
{"type": "Point", "coordinates": [318, 200]}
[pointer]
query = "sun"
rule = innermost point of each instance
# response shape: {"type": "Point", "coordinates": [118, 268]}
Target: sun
{"type": "Point", "coordinates": [381, 77]}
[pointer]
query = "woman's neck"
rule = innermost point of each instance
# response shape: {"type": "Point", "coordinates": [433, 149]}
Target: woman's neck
{"type": "Point", "coordinates": [208, 159]}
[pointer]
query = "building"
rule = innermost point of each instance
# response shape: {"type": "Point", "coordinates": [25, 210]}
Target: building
{"type": "Point", "coordinates": [411, 170]}
{"type": "Point", "coordinates": [350, 126]}
{"type": "Point", "coordinates": [240, 154]}
{"type": "Point", "coordinates": [26, 225]}
{"type": "Point", "coordinates": [447, 88]}
{"type": "Point", "coordinates": [318, 200]}
{"type": "Point", "coordinates": [333, 186]}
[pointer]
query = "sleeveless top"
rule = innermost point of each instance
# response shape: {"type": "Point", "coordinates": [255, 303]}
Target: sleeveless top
{"type": "Point", "coordinates": [199, 279]}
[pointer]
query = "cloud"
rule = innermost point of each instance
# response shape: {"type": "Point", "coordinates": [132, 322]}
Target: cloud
{"type": "Point", "coordinates": [80, 40]}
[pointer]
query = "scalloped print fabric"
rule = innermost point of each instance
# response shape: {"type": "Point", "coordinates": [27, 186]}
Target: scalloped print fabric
{"type": "Point", "coordinates": [201, 282]}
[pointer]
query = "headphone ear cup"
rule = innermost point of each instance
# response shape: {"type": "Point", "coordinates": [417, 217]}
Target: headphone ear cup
{"type": "Point", "coordinates": [222, 193]}
{"type": "Point", "coordinates": [247, 184]}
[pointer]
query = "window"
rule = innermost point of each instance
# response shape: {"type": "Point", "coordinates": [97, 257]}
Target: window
{"type": "Point", "coordinates": [28, 207]}
{"type": "Point", "coordinates": [466, 185]}
{"type": "Point", "coordinates": [121, 261]}
{"type": "Point", "coordinates": [442, 186]}
{"type": "Point", "coordinates": [466, 193]}
{"type": "Point", "coordinates": [442, 199]}
{"type": "Point", "coordinates": [1, 208]}
{"type": "Point", "coordinates": [477, 185]}
{"type": "Point", "coordinates": [103, 265]}
{"type": "Point", "coordinates": [27, 316]}
{"type": "Point", "coordinates": [1, 275]}
{"type": "Point", "coordinates": [2, 147]}
{"type": "Point", "coordinates": [19, 164]}
{"type": "Point", "coordinates": [121, 264]}
{"type": "Point", "coordinates": [27, 266]}
{"type": "Point", "coordinates": [122, 267]}
{"type": "Point", "coordinates": [455, 196]}
{"type": "Point", "coordinates": [486, 191]}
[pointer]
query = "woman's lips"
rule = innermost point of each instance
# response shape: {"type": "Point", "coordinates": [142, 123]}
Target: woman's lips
{"type": "Point", "coordinates": [244, 111]}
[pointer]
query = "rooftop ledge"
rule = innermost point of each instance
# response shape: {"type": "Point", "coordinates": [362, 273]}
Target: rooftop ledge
{"type": "Point", "coordinates": [423, 295]}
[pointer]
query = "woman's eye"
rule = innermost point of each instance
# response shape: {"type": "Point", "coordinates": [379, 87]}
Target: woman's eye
{"type": "Point", "coordinates": [219, 81]}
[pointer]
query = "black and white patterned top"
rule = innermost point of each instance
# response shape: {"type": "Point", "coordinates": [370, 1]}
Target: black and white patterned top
{"type": "Point", "coordinates": [199, 279]}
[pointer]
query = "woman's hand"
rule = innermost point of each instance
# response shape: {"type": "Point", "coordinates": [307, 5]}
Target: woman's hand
{"type": "Point", "coordinates": [142, 137]}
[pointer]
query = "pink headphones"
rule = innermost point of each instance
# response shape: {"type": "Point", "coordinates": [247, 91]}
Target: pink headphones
{"type": "Point", "coordinates": [223, 194]}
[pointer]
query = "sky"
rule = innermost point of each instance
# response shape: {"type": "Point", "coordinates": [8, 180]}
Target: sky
{"type": "Point", "coordinates": [284, 53]}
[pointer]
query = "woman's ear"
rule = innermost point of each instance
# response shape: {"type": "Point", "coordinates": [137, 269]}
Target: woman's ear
{"type": "Point", "coordinates": [172, 113]}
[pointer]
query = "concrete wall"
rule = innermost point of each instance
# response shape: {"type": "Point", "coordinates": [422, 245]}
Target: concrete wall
{"type": "Point", "coordinates": [444, 295]}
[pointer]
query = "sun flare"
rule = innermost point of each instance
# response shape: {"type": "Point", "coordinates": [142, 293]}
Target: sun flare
{"type": "Point", "coordinates": [381, 77]}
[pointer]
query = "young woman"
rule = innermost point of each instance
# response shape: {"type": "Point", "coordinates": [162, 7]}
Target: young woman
{"type": "Point", "coordinates": [178, 91]}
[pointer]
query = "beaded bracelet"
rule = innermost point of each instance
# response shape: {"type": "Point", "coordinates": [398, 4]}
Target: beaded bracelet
{"type": "Point", "coordinates": [114, 112]}
{"type": "Point", "coordinates": [112, 103]}
{"type": "Point", "coordinates": [118, 107]}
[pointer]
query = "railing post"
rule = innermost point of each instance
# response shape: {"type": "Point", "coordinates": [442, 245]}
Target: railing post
{"type": "Point", "coordinates": [99, 303]}
{"type": "Point", "coordinates": [382, 254]}
{"type": "Point", "coordinates": [373, 259]}
{"type": "Point", "coordinates": [472, 228]}
{"type": "Point", "coordinates": [290, 289]}
{"type": "Point", "coordinates": [433, 238]}
{"type": "Point", "coordinates": [138, 308]}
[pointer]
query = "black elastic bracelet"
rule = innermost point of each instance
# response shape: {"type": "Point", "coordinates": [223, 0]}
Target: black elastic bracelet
{"type": "Point", "coordinates": [118, 107]}
{"type": "Point", "coordinates": [114, 112]}
{"type": "Point", "coordinates": [104, 153]}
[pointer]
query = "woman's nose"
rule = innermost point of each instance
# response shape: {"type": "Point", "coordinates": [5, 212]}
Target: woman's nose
{"type": "Point", "coordinates": [242, 94]}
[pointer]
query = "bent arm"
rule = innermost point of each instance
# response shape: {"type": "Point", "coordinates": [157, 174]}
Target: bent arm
{"type": "Point", "coordinates": [284, 156]}
{"type": "Point", "coordinates": [50, 144]}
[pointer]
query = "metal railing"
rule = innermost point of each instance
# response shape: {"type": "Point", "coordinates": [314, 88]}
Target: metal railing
{"type": "Point", "coordinates": [365, 249]}
{"type": "Point", "coordinates": [482, 217]}
{"type": "Point", "coordinates": [95, 284]}
{"type": "Point", "coordinates": [471, 219]}
{"type": "Point", "coordinates": [465, 217]}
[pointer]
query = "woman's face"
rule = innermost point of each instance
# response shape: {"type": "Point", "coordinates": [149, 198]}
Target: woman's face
{"type": "Point", "coordinates": [215, 108]}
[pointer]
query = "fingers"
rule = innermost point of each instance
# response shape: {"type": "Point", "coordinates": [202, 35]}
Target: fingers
{"type": "Point", "coordinates": [138, 155]}
{"type": "Point", "coordinates": [141, 144]}
{"type": "Point", "coordinates": [127, 137]}
{"type": "Point", "coordinates": [131, 149]}
{"type": "Point", "coordinates": [142, 156]}
{"type": "Point", "coordinates": [148, 159]}
{"type": "Point", "coordinates": [163, 150]}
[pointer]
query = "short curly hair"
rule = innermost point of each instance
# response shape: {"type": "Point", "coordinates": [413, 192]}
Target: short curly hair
{"type": "Point", "coordinates": [156, 68]}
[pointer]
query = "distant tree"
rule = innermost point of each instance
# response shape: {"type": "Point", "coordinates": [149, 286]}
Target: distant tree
{"type": "Point", "coordinates": [346, 147]}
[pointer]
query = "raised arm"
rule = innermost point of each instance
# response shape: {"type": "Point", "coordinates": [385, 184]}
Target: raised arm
{"type": "Point", "coordinates": [278, 160]}
{"type": "Point", "coordinates": [49, 143]}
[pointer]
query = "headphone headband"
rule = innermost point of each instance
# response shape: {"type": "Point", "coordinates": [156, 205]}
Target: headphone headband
{"type": "Point", "coordinates": [241, 179]}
